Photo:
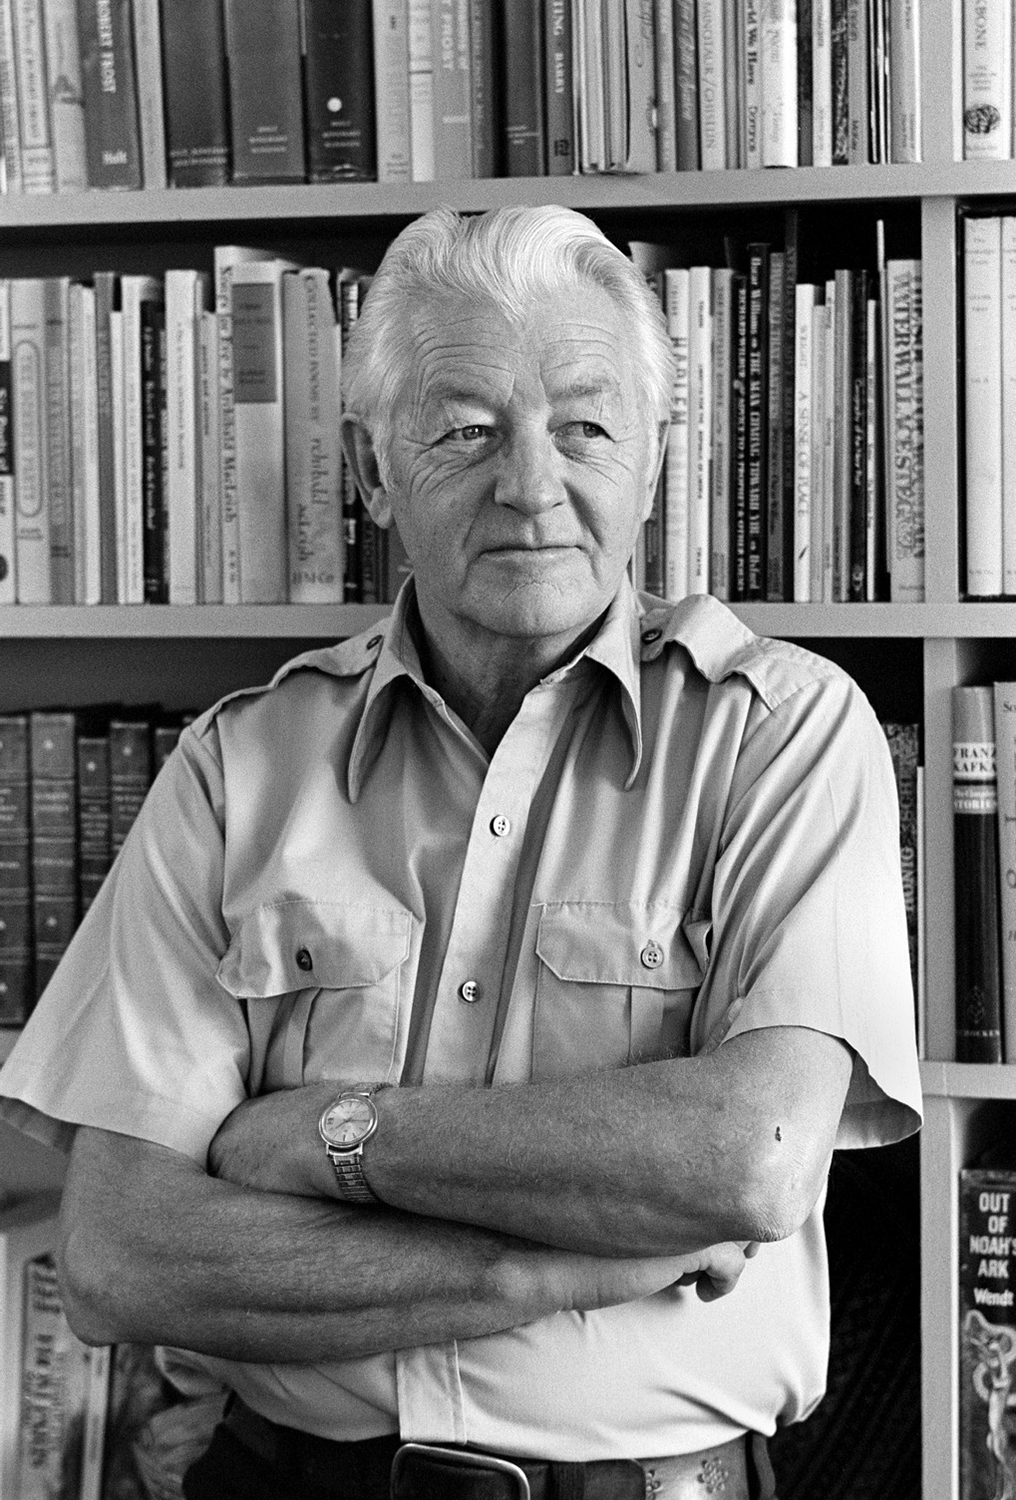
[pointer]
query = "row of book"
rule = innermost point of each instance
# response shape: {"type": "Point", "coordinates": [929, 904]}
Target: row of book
{"type": "Point", "coordinates": [176, 439]}
{"type": "Point", "coordinates": [82, 1422]}
{"type": "Point", "coordinates": [794, 466]}
{"type": "Point", "coordinates": [113, 94]}
{"type": "Point", "coordinates": [984, 820]}
{"type": "Point", "coordinates": [989, 391]}
{"type": "Point", "coordinates": [71, 785]}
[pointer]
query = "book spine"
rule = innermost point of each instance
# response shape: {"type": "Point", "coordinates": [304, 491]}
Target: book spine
{"type": "Point", "coordinates": [689, 136]}
{"type": "Point", "coordinates": [1004, 705]}
{"type": "Point", "coordinates": [183, 471]}
{"type": "Point", "coordinates": [758, 329]}
{"type": "Point", "coordinates": [805, 85]}
{"type": "Point", "coordinates": [639, 118]}
{"type": "Point", "coordinates": [46, 1382]}
{"type": "Point", "coordinates": [857, 560]}
{"type": "Point", "coordinates": [258, 416]}
{"type": "Point", "coordinates": [805, 298]}
{"type": "Point", "coordinates": [652, 544]}
{"type": "Point", "coordinates": [701, 428]}
{"type": "Point", "coordinates": [10, 124]}
{"type": "Point", "coordinates": [106, 298]}
{"type": "Point", "coordinates": [450, 48]}
{"type": "Point", "coordinates": [210, 495]}
{"type": "Point", "coordinates": [525, 131]}
{"type": "Point", "coordinates": [751, 66]}
{"type": "Point", "coordinates": [987, 1325]}
{"type": "Point", "coordinates": [776, 583]}
{"type": "Point", "coordinates": [116, 366]}
{"type": "Point", "coordinates": [28, 356]}
{"type": "Point", "coordinates": [677, 306]}
{"type": "Point", "coordinates": [839, 62]}
{"type": "Point", "coordinates": [352, 506]}
{"type": "Point", "coordinates": [904, 750]}
{"type": "Point", "coordinates": [739, 483]}
{"type": "Point", "coordinates": [982, 267]}
{"type": "Point", "coordinates": [666, 89]}
{"type": "Point", "coordinates": [612, 64]}
{"type": "Point", "coordinates": [987, 80]}
{"type": "Point", "coordinates": [719, 505]}
{"type": "Point", "coordinates": [859, 143]}
{"type": "Point", "coordinates": [313, 455]}
{"type": "Point", "coordinates": [196, 98]}
{"type": "Point", "coordinates": [228, 500]}
{"type": "Point", "coordinates": [17, 981]}
{"type": "Point", "coordinates": [557, 51]}
{"type": "Point", "coordinates": [791, 259]}
{"type": "Point", "coordinates": [151, 94]}
{"type": "Point", "coordinates": [84, 445]}
{"type": "Point", "coordinates": [96, 1414]}
{"type": "Point", "coordinates": [820, 323]}
{"type": "Point", "coordinates": [153, 495]}
{"type": "Point", "coordinates": [94, 848]}
{"type": "Point", "coordinates": [130, 775]}
{"type": "Point", "coordinates": [875, 558]}
{"type": "Point", "coordinates": [265, 104]}
{"type": "Point", "coordinates": [421, 91]}
{"type": "Point", "coordinates": [54, 838]}
{"type": "Point", "coordinates": [57, 437]}
{"type": "Point", "coordinates": [712, 85]}
{"type": "Point", "coordinates": [484, 103]}
{"type": "Point", "coordinates": [1008, 336]}
{"type": "Point", "coordinates": [112, 132]}
{"type": "Point", "coordinates": [38, 167]}
{"type": "Point", "coordinates": [905, 80]}
{"type": "Point", "coordinates": [338, 70]}
{"type": "Point", "coordinates": [391, 82]}
{"type": "Point", "coordinates": [904, 419]}
{"type": "Point", "coordinates": [136, 291]}
{"type": "Point", "coordinates": [975, 823]}
{"type": "Point", "coordinates": [842, 433]}
{"type": "Point", "coordinates": [8, 502]}
{"type": "Point", "coordinates": [778, 77]}
{"type": "Point", "coordinates": [822, 83]}
{"type": "Point", "coordinates": [66, 96]}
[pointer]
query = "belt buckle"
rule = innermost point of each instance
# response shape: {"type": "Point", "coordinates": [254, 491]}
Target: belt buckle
{"type": "Point", "coordinates": [465, 1460]}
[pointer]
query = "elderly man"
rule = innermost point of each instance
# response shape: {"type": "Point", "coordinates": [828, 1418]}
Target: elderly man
{"type": "Point", "coordinates": [472, 1002]}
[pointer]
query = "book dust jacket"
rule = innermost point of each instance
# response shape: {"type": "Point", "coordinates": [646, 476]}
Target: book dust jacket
{"type": "Point", "coordinates": [987, 1363]}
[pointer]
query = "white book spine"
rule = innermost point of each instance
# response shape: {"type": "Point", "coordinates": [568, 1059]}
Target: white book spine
{"type": "Point", "coordinates": [818, 357]}
{"type": "Point", "coordinates": [701, 429]}
{"type": "Point", "coordinates": [37, 165]}
{"type": "Point", "coordinates": [80, 372]}
{"type": "Point", "coordinates": [96, 1415]}
{"type": "Point", "coordinates": [181, 434]}
{"type": "Point", "coordinates": [210, 576]}
{"type": "Point", "coordinates": [1009, 406]}
{"type": "Point", "coordinates": [640, 69]}
{"type": "Point", "coordinates": [905, 80]}
{"type": "Point", "coordinates": [92, 520]}
{"type": "Point", "coordinates": [805, 298]}
{"type": "Point", "coordinates": [313, 454]}
{"type": "Point", "coordinates": [822, 83]}
{"type": "Point", "coordinates": [666, 97]}
{"type": "Point", "coordinates": [10, 125]}
{"type": "Point", "coordinates": [8, 504]}
{"type": "Point", "coordinates": [778, 74]}
{"type": "Point", "coordinates": [421, 91]}
{"type": "Point", "coordinates": [593, 86]}
{"type": "Point", "coordinates": [28, 375]}
{"type": "Point", "coordinates": [752, 84]}
{"type": "Point", "coordinates": [119, 468]}
{"type": "Point", "coordinates": [677, 286]}
{"type": "Point", "coordinates": [829, 444]}
{"type": "Point", "coordinates": [720, 476]}
{"type": "Point", "coordinates": [712, 85]}
{"type": "Point", "coordinates": [982, 257]}
{"type": "Point", "coordinates": [987, 79]}
{"type": "Point", "coordinates": [151, 106]}
{"type": "Point", "coordinates": [66, 97]}
{"type": "Point", "coordinates": [1004, 694]}
{"type": "Point", "coordinates": [391, 75]}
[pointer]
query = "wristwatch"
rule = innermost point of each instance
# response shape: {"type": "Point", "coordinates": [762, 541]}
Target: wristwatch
{"type": "Point", "coordinates": [348, 1122]}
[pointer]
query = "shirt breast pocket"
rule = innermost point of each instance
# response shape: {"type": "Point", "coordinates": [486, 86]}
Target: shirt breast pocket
{"type": "Point", "coordinates": [337, 972]}
{"type": "Point", "coordinates": [616, 984]}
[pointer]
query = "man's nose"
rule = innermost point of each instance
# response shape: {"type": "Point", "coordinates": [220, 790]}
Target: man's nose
{"type": "Point", "coordinates": [530, 476]}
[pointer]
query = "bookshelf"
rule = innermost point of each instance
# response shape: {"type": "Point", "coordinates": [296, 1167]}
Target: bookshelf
{"type": "Point", "coordinates": [919, 651]}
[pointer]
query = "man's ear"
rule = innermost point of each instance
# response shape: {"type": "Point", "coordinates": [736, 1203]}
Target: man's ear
{"type": "Point", "coordinates": [358, 446]}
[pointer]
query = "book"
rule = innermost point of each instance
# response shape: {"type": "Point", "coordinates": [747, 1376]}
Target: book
{"type": "Point", "coordinates": [313, 452]}
{"type": "Point", "coordinates": [151, 93]}
{"type": "Point", "coordinates": [8, 504]}
{"type": "Point", "coordinates": [54, 1368]}
{"type": "Point", "coordinates": [421, 91]}
{"type": "Point", "coordinates": [712, 85]}
{"type": "Point", "coordinates": [905, 121]}
{"type": "Point", "coordinates": [258, 414]}
{"type": "Point", "coordinates": [84, 431]}
{"type": "Point", "coordinates": [53, 807]}
{"type": "Point", "coordinates": [859, 561]}
{"type": "Point", "coordinates": [805, 302]}
{"type": "Point", "coordinates": [96, 1417]}
{"type": "Point", "coordinates": [130, 770]}
{"type": "Point", "coordinates": [757, 420]}
{"type": "Point", "coordinates": [112, 130]}
{"type": "Point", "coordinates": [28, 368]}
{"type": "Point", "coordinates": [348, 292]}
{"type": "Point", "coordinates": [722, 434]}
{"type": "Point", "coordinates": [822, 83]}
{"type": "Point", "coordinates": [140, 295]}
{"type": "Point", "coordinates": [524, 123]}
{"type": "Point", "coordinates": [904, 403]}
{"type": "Point", "coordinates": [750, 83]}
{"type": "Point", "coordinates": [686, 123]}
{"type": "Point", "coordinates": [982, 327]}
{"type": "Point", "coordinates": [842, 431]}
{"type": "Point", "coordinates": [904, 748]}
{"type": "Point", "coordinates": [186, 293]}
{"type": "Point", "coordinates": [1004, 705]}
{"type": "Point", "coordinates": [57, 438]}
{"type": "Point", "coordinates": [591, 98]}
{"type": "Point", "coordinates": [451, 52]}
{"type": "Point", "coordinates": [265, 104]}
{"type": "Point", "coordinates": [859, 143]}
{"type": "Point", "coordinates": [700, 428]}
{"type": "Point", "coordinates": [987, 1327]}
{"type": "Point", "coordinates": [840, 97]}
{"type": "Point", "coordinates": [10, 124]}
{"type": "Point", "coordinates": [391, 87]}
{"type": "Point", "coordinates": [975, 825]}
{"type": "Point", "coordinates": [209, 540]}
{"type": "Point", "coordinates": [826, 590]}
{"type": "Point", "coordinates": [338, 81]}
{"type": "Point", "coordinates": [107, 302]}
{"type": "Point", "coordinates": [559, 89]}
{"type": "Point", "coordinates": [777, 517]}
{"type": "Point", "coordinates": [17, 983]}
{"type": "Point", "coordinates": [805, 85]}
{"type": "Point", "coordinates": [1008, 413]}
{"type": "Point", "coordinates": [666, 89]}
{"type": "Point", "coordinates": [154, 512]}
{"type": "Point", "coordinates": [677, 309]}
{"type": "Point", "coordinates": [196, 98]}
{"type": "Point", "coordinates": [484, 100]}
{"type": "Point", "coordinates": [94, 838]}
{"type": "Point", "coordinates": [778, 83]}
{"type": "Point", "coordinates": [27, 1230]}
{"type": "Point", "coordinates": [739, 467]}
{"type": "Point", "coordinates": [38, 166]}
{"type": "Point", "coordinates": [66, 96]}
{"type": "Point", "coordinates": [987, 80]}
{"type": "Point", "coordinates": [636, 90]}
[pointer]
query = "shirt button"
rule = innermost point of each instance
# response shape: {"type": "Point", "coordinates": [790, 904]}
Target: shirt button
{"type": "Point", "coordinates": [304, 960]}
{"type": "Point", "coordinates": [652, 955]}
{"type": "Point", "coordinates": [649, 636]}
{"type": "Point", "coordinates": [469, 991]}
{"type": "Point", "coordinates": [500, 826]}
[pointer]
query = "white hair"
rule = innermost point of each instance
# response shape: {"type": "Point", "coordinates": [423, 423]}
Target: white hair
{"type": "Point", "coordinates": [505, 258]}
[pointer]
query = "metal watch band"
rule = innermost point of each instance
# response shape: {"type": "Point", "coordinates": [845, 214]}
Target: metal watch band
{"type": "Point", "coordinates": [353, 1186]}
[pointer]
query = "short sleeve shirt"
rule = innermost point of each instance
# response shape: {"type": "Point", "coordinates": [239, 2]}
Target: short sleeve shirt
{"type": "Point", "coordinates": [685, 828]}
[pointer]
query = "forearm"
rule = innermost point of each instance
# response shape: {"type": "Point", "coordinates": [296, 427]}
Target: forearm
{"type": "Point", "coordinates": [156, 1251]}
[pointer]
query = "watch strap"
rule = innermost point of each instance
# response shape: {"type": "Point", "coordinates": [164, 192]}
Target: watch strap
{"type": "Point", "coordinates": [353, 1186]}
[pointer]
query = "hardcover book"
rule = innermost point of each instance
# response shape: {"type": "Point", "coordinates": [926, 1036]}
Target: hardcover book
{"type": "Point", "coordinates": [265, 104]}
{"type": "Point", "coordinates": [313, 452]}
{"type": "Point", "coordinates": [339, 90]}
{"type": "Point", "coordinates": [987, 1331]}
{"type": "Point", "coordinates": [112, 131]}
{"type": "Point", "coordinates": [28, 373]}
{"type": "Point", "coordinates": [53, 804]}
{"type": "Point", "coordinates": [8, 582]}
{"type": "Point", "coordinates": [27, 1231]}
{"type": "Point", "coordinates": [17, 987]}
{"type": "Point", "coordinates": [391, 87]}
{"type": "Point", "coordinates": [975, 823]}
{"type": "Point", "coordinates": [38, 167]}
{"type": "Point", "coordinates": [197, 105]}
{"type": "Point", "coordinates": [982, 374]}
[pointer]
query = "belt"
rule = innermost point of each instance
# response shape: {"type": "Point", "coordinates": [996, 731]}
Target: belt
{"type": "Point", "coordinates": [428, 1472]}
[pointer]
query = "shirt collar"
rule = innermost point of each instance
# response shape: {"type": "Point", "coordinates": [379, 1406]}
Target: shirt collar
{"type": "Point", "coordinates": [616, 647]}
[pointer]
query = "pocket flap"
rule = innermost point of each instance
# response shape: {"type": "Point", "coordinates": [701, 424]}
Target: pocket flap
{"type": "Point", "coordinates": [298, 945]}
{"type": "Point", "coordinates": [624, 942]}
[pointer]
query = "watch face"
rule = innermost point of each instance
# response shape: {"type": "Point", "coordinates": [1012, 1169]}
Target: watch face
{"type": "Point", "coordinates": [349, 1121]}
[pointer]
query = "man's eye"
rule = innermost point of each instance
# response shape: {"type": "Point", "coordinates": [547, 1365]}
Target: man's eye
{"type": "Point", "coordinates": [585, 430]}
{"type": "Point", "coordinates": [474, 433]}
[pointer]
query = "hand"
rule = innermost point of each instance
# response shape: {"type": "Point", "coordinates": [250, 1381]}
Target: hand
{"type": "Point", "coordinates": [719, 1271]}
{"type": "Point", "coordinates": [271, 1144]}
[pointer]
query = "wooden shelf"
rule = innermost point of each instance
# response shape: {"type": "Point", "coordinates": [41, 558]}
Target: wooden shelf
{"type": "Point", "coordinates": [952, 1080]}
{"type": "Point", "coordinates": [169, 622]}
